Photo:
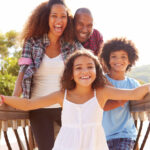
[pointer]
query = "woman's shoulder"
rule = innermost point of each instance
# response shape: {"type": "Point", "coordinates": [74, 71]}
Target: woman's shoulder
{"type": "Point", "coordinates": [35, 40]}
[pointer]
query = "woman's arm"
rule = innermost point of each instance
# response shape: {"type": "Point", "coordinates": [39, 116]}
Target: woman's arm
{"type": "Point", "coordinates": [18, 85]}
{"type": "Point", "coordinates": [35, 103]}
{"type": "Point", "coordinates": [24, 61]}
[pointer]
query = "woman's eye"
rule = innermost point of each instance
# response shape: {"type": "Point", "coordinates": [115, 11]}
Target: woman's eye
{"type": "Point", "coordinates": [64, 16]}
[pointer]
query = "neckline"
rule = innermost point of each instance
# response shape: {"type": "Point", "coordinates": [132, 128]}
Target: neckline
{"type": "Point", "coordinates": [81, 103]}
{"type": "Point", "coordinates": [116, 80]}
{"type": "Point", "coordinates": [52, 57]}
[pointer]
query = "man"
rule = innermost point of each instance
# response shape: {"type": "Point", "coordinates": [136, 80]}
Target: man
{"type": "Point", "coordinates": [90, 38]}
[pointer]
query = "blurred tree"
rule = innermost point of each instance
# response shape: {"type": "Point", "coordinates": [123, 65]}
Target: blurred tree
{"type": "Point", "coordinates": [7, 41]}
{"type": "Point", "coordinates": [9, 51]}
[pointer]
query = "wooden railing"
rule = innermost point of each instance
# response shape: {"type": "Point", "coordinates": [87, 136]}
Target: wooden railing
{"type": "Point", "coordinates": [141, 112]}
{"type": "Point", "coordinates": [13, 118]}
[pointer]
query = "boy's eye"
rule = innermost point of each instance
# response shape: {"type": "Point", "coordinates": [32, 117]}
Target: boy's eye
{"type": "Point", "coordinates": [124, 57]}
{"type": "Point", "coordinates": [90, 67]}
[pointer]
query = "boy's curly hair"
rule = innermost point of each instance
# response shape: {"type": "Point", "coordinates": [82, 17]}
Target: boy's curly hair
{"type": "Point", "coordinates": [117, 44]}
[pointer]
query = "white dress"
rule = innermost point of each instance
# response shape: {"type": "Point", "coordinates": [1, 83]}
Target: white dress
{"type": "Point", "coordinates": [81, 126]}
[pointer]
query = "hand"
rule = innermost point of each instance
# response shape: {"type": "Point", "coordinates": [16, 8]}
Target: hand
{"type": "Point", "coordinates": [122, 102]}
{"type": "Point", "coordinates": [1, 100]}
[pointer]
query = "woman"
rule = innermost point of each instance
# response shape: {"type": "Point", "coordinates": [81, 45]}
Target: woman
{"type": "Point", "coordinates": [48, 39]}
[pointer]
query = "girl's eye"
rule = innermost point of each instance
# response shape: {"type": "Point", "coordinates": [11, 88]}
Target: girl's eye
{"type": "Point", "coordinates": [78, 68]}
{"type": "Point", "coordinates": [113, 56]}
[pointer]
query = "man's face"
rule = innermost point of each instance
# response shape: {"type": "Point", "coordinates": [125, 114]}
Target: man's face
{"type": "Point", "coordinates": [83, 27]}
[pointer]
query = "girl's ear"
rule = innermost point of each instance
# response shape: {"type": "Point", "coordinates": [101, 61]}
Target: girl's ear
{"type": "Point", "coordinates": [72, 77]}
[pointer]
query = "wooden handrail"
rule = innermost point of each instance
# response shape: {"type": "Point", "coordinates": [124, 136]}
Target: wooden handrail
{"type": "Point", "coordinates": [142, 105]}
{"type": "Point", "coordinates": [11, 114]}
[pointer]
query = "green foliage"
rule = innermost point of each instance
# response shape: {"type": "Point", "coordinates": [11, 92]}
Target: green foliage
{"type": "Point", "coordinates": [7, 82]}
{"type": "Point", "coordinates": [7, 41]}
{"type": "Point", "coordinates": [8, 65]}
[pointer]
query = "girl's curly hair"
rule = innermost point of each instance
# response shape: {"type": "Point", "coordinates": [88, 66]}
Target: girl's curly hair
{"type": "Point", "coordinates": [68, 83]}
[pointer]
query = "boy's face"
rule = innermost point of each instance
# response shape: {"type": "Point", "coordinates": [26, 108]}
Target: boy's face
{"type": "Point", "coordinates": [119, 61]}
{"type": "Point", "coordinates": [84, 71]}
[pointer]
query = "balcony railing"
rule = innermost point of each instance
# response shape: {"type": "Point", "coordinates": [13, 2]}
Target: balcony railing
{"type": "Point", "coordinates": [13, 118]}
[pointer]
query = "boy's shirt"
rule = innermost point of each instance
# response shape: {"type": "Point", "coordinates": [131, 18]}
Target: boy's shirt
{"type": "Point", "coordinates": [118, 123]}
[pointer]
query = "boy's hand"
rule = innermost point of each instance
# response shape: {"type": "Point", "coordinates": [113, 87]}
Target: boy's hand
{"type": "Point", "coordinates": [122, 102]}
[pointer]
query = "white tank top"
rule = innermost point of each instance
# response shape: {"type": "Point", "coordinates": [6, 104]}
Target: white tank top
{"type": "Point", "coordinates": [47, 78]}
{"type": "Point", "coordinates": [81, 126]}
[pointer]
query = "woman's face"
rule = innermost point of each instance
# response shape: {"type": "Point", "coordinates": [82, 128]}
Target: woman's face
{"type": "Point", "coordinates": [57, 19]}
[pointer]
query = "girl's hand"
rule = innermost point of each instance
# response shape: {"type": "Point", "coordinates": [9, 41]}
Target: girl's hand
{"type": "Point", "coordinates": [1, 100]}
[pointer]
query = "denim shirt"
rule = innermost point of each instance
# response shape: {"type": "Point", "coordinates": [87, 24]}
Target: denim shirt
{"type": "Point", "coordinates": [34, 50]}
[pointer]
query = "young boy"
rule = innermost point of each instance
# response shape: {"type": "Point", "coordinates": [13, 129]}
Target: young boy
{"type": "Point", "coordinates": [119, 55]}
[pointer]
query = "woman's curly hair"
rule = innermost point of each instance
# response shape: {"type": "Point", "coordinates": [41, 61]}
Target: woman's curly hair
{"type": "Point", "coordinates": [117, 44]}
{"type": "Point", "coordinates": [67, 82]}
{"type": "Point", "coordinates": [38, 23]}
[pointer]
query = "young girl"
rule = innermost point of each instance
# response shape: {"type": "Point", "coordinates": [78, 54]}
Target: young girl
{"type": "Point", "coordinates": [83, 95]}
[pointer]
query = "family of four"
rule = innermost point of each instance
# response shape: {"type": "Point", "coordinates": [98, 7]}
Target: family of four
{"type": "Point", "coordinates": [61, 80]}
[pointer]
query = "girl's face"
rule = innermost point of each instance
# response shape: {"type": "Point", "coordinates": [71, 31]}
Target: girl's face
{"type": "Point", "coordinates": [57, 19]}
{"type": "Point", "coordinates": [84, 71]}
{"type": "Point", "coordinates": [119, 61]}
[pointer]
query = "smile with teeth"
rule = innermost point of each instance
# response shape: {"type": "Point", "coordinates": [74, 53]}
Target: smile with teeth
{"type": "Point", "coordinates": [58, 28]}
{"type": "Point", "coordinates": [118, 64]}
{"type": "Point", "coordinates": [85, 77]}
{"type": "Point", "coordinates": [83, 35]}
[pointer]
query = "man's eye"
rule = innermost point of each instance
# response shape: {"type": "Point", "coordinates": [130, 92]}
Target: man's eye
{"type": "Point", "coordinates": [54, 16]}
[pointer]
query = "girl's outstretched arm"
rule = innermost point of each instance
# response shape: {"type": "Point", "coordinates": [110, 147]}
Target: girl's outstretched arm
{"type": "Point", "coordinates": [113, 93]}
{"type": "Point", "coordinates": [35, 103]}
{"type": "Point", "coordinates": [128, 94]}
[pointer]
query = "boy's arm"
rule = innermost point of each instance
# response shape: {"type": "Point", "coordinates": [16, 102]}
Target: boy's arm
{"type": "Point", "coordinates": [112, 104]}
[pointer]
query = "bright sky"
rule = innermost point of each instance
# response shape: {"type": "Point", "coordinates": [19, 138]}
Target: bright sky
{"type": "Point", "coordinates": [113, 18]}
